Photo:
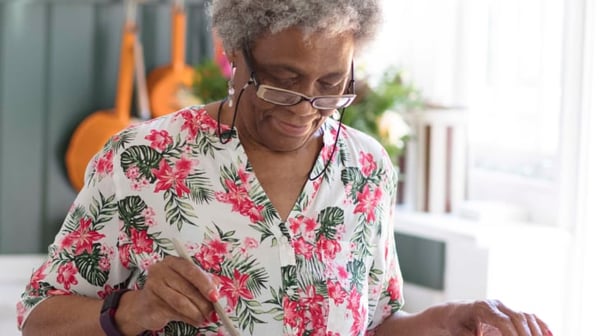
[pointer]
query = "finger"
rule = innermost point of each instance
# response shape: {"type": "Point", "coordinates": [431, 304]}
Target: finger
{"type": "Point", "coordinates": [197, 277]}
{"type": "Point", "coordinates": [518, 319]}
{"type": "Point", "coordinates": [543, 326]}
{"type": "Point", "coordinates": [179, 307]}
{"type": "Point", "coordinates": [186, 289]}
{"type": "Point", "coordinates": [534, 326]}
{"type": "Point", "coordinates": [487, 312]}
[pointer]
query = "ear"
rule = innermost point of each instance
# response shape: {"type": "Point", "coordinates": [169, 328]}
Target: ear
{"type": "Point", "coordinates": [234, 57]}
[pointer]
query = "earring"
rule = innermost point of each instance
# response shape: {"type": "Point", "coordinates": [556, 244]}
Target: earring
{"type": "Point", "coordinates": [230, 87]}
{"type": "Point", "coordinates": [336, 115]}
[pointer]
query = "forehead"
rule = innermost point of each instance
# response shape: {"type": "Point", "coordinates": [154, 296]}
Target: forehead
{"type": "Point", "coordinates": [315, 52]}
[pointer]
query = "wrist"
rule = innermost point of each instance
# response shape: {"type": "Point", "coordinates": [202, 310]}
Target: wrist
{"type": "Point", "coordinates": [125, 316]}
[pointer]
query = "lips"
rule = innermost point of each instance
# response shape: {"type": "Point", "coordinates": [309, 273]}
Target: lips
{"type": "Point", "coordinates": [294, 130]}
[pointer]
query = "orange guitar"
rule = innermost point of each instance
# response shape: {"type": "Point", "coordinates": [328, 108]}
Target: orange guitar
{"type": "Point", "coordinates": [170, 85]}
{"type": "Point", "coordinates": [95, 130]}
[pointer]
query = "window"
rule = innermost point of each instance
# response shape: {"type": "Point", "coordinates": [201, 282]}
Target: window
{"type": "Point", "coordinates": [502, 60]}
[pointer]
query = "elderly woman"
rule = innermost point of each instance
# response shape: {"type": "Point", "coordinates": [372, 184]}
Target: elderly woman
{"type": "Point", "coordinates": [285, 212]}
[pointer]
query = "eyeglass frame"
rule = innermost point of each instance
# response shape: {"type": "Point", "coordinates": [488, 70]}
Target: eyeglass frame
{"type": "Point", "coordinates": [260, 88]}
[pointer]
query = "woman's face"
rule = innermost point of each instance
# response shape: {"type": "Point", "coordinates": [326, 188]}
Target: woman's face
{"type": "Point", "coordinates": [313, 66]}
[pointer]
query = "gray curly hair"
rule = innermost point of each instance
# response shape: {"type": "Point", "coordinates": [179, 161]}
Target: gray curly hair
{"type": "Point", "coordinates": [242, 21]}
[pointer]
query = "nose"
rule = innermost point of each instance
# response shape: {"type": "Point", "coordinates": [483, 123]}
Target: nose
{"type": "Point", "coordinates": [303, 108]}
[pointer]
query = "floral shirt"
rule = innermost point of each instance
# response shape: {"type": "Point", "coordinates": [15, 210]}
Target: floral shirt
{"type": "Point", "coordinates": [330, 268]}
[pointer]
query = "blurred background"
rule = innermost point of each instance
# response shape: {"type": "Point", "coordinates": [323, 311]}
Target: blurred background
{"type": "Point", "coordinates": [487, 106]}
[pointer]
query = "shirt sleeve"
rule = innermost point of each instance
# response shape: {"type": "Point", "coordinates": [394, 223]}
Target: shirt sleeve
{"type": "Point", "coordinates": [84, 257]}
{"type": "Point", "coordinates": [386, 281]}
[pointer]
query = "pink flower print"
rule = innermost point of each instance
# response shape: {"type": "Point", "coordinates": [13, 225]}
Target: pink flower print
{"type": "Point", "coordinates": [236, 288]}
{"type": "Point", "coordinates": [310, 224]}
{"type": "Point", "coordinates": [149, 261]}
{"type": "Point", "coordinates": [211, 255]}
{"type": "Point", "coordinates": [106, 291]}
{"type": "Point", "coordinates": [150, 222]}
{"type": "Point", "coordinates": [104, 264]}
{"type": "Point", "coordinates": [296, 225]}
{"type": "Point", "coordinates": [342, 273]}
{"type": "Point", "coordinates": [66, 275]}
{"type": "Point", "coordinates": [141, 242]}
{"type": "Point", "coordinates": [243, 175]}
{"type": "Point", "coordinates": [82, 238]}
{"type": "Point", "coordinates": [367, 164]}
{"type": "Point", "coordinates": [367, 202]}
{"type": "Point", "coordinates": [191, 124]}
{"type": "Point", "coordinates": [329, 248]}
{"type": "Point", "coordinates": [253, 211]}
{"type": "Point", "coordinates": [167, 178]}
{"type": "Point", "coordinates": [250, 243]}
{"type": "Point", "coordinates": [353, 302]}
{"type": "Point", "coordinates": [20, 313]}
{"type": "Point", "coordinates": [107, 251]}
{"type": "Point", "coordinates": [336, 292]}
{"type": "Point", "coordinates": [329, 151]}
{"type": "Point", "coordinates": [159, 140]}
{"type": "Point", "coordinates": [394, 289]}
{"type": "Point", "coordinates": [38, 276]}
{"type": "Point", "coordinates": [359, 317]}
{"type": "Point", "coordinates": [104, 164]}
{"type": "Point", "coordinates": [132, 172]}
{"type": "Point", "coordinates": [291, 312]}
{"type": "Point", "coordinates": [303, 248]}
{"type": "Point", "coordinates": [125, 254]}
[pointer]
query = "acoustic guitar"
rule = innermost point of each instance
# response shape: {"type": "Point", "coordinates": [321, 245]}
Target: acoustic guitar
{"type": "Point", "coordinates": [96, 129]}
{"type": "Point", "coordinates": [170, 85]}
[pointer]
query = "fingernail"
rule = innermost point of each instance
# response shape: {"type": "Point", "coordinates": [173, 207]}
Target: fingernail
{"type": "Point", "coordinates": [213, 295]}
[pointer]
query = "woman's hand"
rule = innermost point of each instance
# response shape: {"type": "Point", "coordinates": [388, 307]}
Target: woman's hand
{"type": "Point", "coordinates": [175, 290]}
{"type": "Point", "coordinates": [469, 318]}
{"type": "Point", "coordinates": [491, 318]}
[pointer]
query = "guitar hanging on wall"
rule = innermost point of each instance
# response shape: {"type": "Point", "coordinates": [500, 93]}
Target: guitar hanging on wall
{"type": "Point", "coordinates": [169, 86]}
{"type": "Point", "coordinates": [96, 129]}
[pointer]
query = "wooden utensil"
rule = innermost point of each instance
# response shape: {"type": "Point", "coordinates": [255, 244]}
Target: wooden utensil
{"type": "Point", "coordinates": [169, 82]}
{"type": "Point", "coordinates": [95, 130]}
{"type": "Point", "coordinates": [218, 308]}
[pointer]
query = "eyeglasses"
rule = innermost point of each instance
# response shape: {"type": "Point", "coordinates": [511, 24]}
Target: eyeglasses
{"type": "Point", "coordinates": [283, 97]}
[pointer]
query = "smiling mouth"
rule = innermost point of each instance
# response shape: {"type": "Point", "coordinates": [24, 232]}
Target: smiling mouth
{"type": "Point", "coordinates": [293, 130]}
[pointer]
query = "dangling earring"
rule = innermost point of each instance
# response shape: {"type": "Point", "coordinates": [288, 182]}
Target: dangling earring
{"type": "Point", "coordinates": [230, 88]}
{"type": "Point", "coordinates": [336, 115]}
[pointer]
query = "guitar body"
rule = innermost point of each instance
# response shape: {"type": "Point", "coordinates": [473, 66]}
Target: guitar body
{"type": "Point", "coordinates": [89, 138]}
{"type": "Point", "coordinates": [168, 88]}
{"type": "Point", "coordinates": [96, 129]}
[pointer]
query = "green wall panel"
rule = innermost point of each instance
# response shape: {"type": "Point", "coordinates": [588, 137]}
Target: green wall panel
{"type": "Point", "coordinates": [58, 64]}
{"type": "Point", "coordinates": [23, 63]}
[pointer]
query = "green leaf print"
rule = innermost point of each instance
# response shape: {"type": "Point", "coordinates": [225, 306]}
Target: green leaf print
{"type": "Point", "coordinates": [207, 145]}
{"type": "Point", "coordinates": [200, 188]}
{"type": "Point", "coordinates": [330, 218]}
{"type": "Point", "coordinates": [178, 212]}
{"type": "Point", "coordinates": [120, 140]}
{"type": "Point", "coordinates": [102, 211]}
{"type": "Point", "coordinates": [72, 221]}
{"type": "Point", "coordinates": [143, 157]}
{"type": "Point", "coordinates": [130, 211]}
{"type": "Point", "coordinates": [359, 272]}
{"type": "Point", "coordinates": [353, 176]}
{"type": "Point", "coordinates": [87, 264]}
{"type": "Point", "coordinates": [246, 314]}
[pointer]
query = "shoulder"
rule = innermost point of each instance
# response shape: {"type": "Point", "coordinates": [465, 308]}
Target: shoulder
{"type": "Point", "coordinates": [355, 142]}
